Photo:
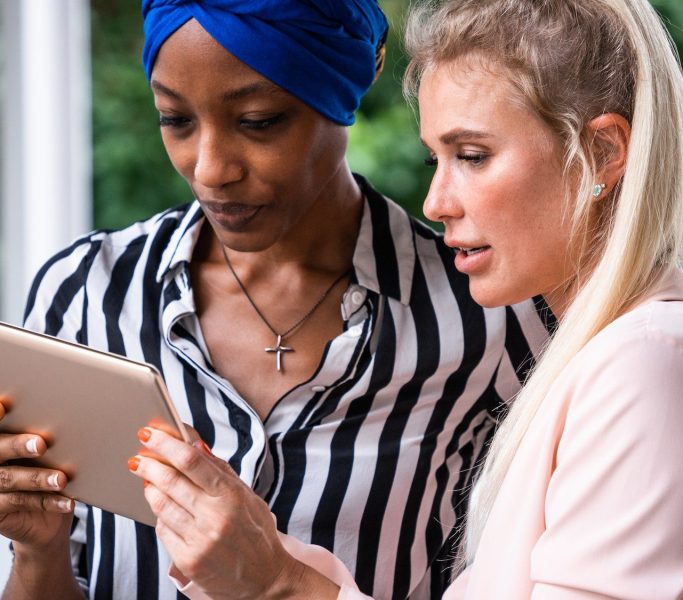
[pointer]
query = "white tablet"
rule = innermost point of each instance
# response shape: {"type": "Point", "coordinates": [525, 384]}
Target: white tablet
{"type": "Point", "coordinates": [88, 406]}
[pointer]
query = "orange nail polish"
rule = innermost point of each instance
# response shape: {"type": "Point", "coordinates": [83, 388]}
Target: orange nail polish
{"type": "Point", "coordinates": [144, 434]}
{"type": "Point", "coordinates": [133, 463]}
{"type": "Point", "coordinates": [145, 483]}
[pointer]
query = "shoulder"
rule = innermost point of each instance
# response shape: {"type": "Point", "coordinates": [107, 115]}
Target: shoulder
{"type": "Point", "coordinates": [98, 257]}
{"type": "Point", "coordinates": [628, 380]}
{"type": "Point", "coordinates": [637, 346]}
{"type": "Point", "coordinates": [158, 229]}
{"type": "Point", "coordinates": [107, 242]}
{"type": "Point", "coordinates": [616, 469]}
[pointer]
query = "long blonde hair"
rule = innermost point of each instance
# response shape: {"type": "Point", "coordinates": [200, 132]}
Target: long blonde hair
{"type": "Point", "coordinates": [574, 60]}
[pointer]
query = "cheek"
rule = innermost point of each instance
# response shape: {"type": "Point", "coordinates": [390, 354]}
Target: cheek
{"type": "Point", "coordinates": [529, 199]}
{"type": "Point", "coordinates": [308, 162]}
{"type": "Point", "coordinates": [180, 153]}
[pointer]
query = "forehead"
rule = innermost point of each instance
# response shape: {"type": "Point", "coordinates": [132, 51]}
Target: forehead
{"type": "Point", "coordinates": [470, 78]}
{"type": "Point", "coordinates": [475, 94]}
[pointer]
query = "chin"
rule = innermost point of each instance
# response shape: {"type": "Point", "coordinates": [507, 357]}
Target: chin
{"type": "Point", "coordinates": [493, 297]}
{"type": "Point", "coordinates": [246, 245]}
{"type": "Point", "coordinates": [252, 241]}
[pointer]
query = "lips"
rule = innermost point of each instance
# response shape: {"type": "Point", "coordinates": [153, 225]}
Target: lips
{"type": "Point", "coordinates": [234, 216]}
{"type": "Point", "coordinates": [472, 260]}
{"type": "Point", "coordinates": [230, 208]}
{"type": "Point", "coordinates": [471, 251]}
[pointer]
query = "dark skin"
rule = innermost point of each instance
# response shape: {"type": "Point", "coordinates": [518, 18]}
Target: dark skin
{"type": "Point", "coordinates": [271, 176]}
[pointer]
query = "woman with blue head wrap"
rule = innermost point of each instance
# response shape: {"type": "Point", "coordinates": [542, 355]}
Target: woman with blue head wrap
{"type": "Point", "coordinates": [254, 99]}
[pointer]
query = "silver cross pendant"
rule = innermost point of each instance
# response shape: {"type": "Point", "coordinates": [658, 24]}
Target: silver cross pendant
{"type": "Point", "coordinates": [279, 349]}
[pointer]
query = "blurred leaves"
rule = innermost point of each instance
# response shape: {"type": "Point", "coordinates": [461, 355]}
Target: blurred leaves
{"type": "Point", "coordinates": [133, 177]}
{"type": "Point", "coordinates": [672, 13]}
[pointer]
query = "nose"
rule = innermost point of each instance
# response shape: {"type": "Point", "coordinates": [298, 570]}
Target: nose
{"type": "Point", "coordinates": [442, 202]}
{"type": "Point", "coordinates": [218, 162]}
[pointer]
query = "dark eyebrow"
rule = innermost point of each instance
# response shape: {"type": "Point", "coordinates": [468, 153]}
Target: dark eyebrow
{"type": "Point", "coordinates": [259, 87]}
{"type": "Point", "coordinates": [453, 136]}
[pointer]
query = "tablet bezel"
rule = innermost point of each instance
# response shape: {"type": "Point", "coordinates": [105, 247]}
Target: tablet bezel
{"type": "Point", "coordinates": [88, 405]}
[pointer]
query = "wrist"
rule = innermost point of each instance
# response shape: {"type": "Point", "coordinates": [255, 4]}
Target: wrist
{"type": "Point", "coordinates": [35, 571]}
{"type": "Point", "coordinates": [41, 562]}
{"type": "Point", "coordinates": [40, 553]}
{"type": "Point", "coordinates": [299, 581]}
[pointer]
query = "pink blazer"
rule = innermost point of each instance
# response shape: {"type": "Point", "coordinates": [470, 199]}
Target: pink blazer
{"type": "Point", "coordinates": [592, 506]}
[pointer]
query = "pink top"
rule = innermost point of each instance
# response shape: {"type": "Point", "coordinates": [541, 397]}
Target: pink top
{"type": "Point", "coordinates": [592, 506]}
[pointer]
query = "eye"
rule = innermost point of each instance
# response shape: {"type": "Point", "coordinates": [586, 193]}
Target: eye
{"type": "Point", "coordinates": [431, 161]}
{"type": "Point", "coordinates": [261, 124]}
{"type": "Point", "coordinates": [176, 122]}
{"type": "Point", "coordinates": [476, 159]}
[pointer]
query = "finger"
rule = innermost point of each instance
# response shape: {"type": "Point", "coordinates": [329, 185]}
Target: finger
{"type": "Point", "coordinates": [24, 445]}
{"type": "Point", "coordinates": [167, 480]}
{"type": "Point", "coordinates": [203, 469]}
{"type": "Point", "coordinates": [175, 545]}
{"type": "Point", "coordinates": [3, 400]}
{"type": "Point", "coordinates": [168, 511]}
{"type": "Point", "coordinates": [30, 479]}
{"type": "Point", "coordinates": [27, 501]}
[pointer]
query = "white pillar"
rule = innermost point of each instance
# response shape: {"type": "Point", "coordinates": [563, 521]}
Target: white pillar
{"type": "Point", "coordinates": [46, 199]}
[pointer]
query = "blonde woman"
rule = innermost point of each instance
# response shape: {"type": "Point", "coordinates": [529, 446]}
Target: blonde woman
{"type": "Point", "coordinates": [556, 130]}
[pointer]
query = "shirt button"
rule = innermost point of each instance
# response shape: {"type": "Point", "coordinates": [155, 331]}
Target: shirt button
{"type": "Point", "coordinates": [357, 297]}
{"type": "Point", "coordinates": [318, 388]}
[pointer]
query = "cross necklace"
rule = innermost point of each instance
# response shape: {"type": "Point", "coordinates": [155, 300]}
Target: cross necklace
{"type": "Point", "coordinates": [278, 349]}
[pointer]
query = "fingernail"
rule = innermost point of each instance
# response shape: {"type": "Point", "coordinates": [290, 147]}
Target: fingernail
{"type": "Point", "coordinates": [32, 445]}
{"type": "Point", "coordinates": [65, 504]}
{"type": "Point", "coordinates": [144, 434]}
{"type": "Point", "coordinates": [53, 480]}
{"type": "Point", "coordinates": [133, 463]}
{"type": "Point", "coordinates": [145, 483]}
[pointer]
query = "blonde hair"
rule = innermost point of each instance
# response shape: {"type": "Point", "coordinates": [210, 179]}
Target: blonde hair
{"type": "Point", "coordinates": [573, 60]}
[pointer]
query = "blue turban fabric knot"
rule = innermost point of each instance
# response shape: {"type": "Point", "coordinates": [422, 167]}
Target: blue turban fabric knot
{"type": "Point", "coordinates": [321, 51]}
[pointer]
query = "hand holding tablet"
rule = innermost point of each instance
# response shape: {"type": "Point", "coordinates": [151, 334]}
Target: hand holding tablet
{"type": "Point", "coordinates": [32, 510]}
{"type": "Point", "coordinates": [72, 414]}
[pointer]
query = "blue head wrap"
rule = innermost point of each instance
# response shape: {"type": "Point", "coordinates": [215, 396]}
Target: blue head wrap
{"type": "Point", "coordinates": [321, 51]}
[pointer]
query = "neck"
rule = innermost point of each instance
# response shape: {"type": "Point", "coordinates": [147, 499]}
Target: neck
{"type": "Point", "coordinates": [558, 301]}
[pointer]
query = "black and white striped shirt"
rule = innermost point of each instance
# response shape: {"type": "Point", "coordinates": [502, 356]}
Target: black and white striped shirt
{"type": "Point", "coordinates": [371, 458]}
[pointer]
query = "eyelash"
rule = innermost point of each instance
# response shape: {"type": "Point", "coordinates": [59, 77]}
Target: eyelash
{"type": "Point", "coordinates": [260, 125]}
{"type": "Point", "coordinates": [475, 159]}
{"type": "Point", "coordinates": [252, 124]}
{"type": "Point", "coordinates": [172, 121]}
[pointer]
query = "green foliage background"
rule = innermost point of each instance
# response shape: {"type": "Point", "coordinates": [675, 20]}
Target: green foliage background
{"type": "Point", "coordinates": [132, 176]}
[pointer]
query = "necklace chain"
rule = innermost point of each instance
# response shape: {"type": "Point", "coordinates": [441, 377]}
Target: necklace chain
{"type": "Point", "coordinates": [280, 336]}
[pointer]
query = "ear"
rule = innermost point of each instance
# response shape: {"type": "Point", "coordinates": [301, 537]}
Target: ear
{"type": "Point", "coordinates": [611, 134]}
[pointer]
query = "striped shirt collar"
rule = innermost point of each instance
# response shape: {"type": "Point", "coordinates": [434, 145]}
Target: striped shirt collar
{"type": "Point", "coordinates": [370, 246]}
